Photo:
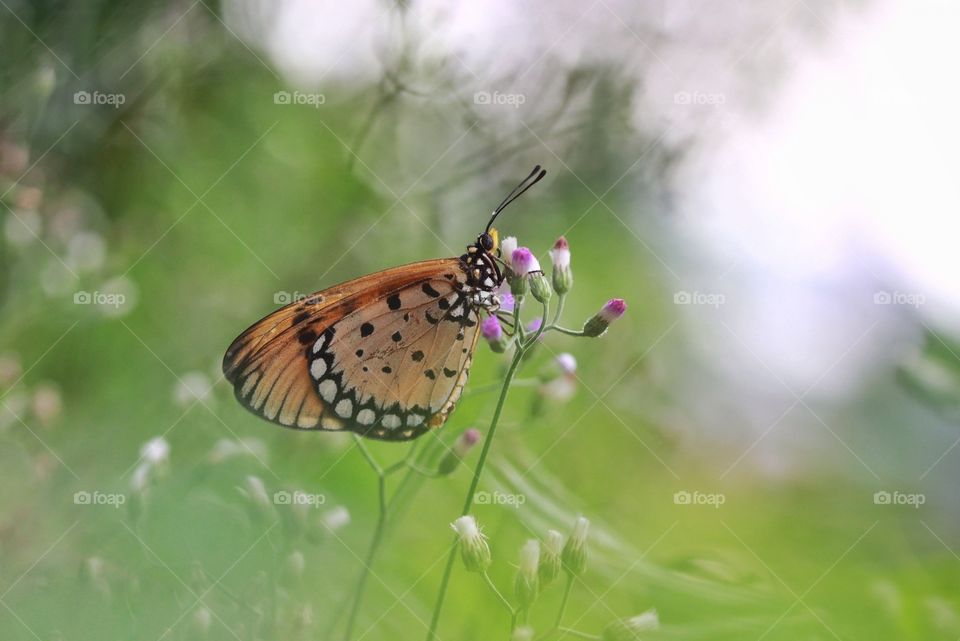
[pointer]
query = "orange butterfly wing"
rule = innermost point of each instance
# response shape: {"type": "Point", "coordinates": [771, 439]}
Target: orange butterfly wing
{"type": "Point", "coordinates": [385, 355]}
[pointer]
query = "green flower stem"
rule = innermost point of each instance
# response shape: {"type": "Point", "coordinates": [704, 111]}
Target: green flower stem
{"type": "Point", "coordinates": [502, 599]}
{"type": "Point", "coordinates": [561, 298]}
{"type": "Point", "coordinates": [468, 501]}
{"type": "Point", "coordinates": [386, 510]}
{"type": "Point", "coordinates": [563, 602]}
{"type": "Point", "coordinates": [568, 332]}
{"type": "Point", "coordinates": [522, 346]}
{"type": "Point", "coordinates": [374, 542]}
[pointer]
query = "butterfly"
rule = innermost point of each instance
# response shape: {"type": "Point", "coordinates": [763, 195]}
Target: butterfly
{"type": "Point", "coordinates": [385, 355]}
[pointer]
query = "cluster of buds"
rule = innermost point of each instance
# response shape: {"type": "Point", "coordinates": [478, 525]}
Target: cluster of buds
{"type": "Point", "coordinates": [524, 276]}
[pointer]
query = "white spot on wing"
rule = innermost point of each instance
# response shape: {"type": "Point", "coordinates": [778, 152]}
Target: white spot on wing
{"type": "Point", "coordinates": [319, 344]}
{"type": "Point", "coordinates": [391, 421]}
{"type": "Point", "coordinates": [327, 389]}
{"type": "Point", "coordinates": [318, 368]}
{"type": "Point", "coordinates": [366, 416]}
{"type": "Point", "coordinates": [345, 408]}
{"type": "Point", "coordinates": [414, 419]}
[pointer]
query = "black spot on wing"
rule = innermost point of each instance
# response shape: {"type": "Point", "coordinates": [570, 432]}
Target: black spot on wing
{"type": "Point", "coordinates": [429, 291]}
{"type": "Point", "coordinates": [393, 301]}
{"type": "Point", "coordinates": [366, 329]}
{"type": "Point", "coordinates": [417, 356]}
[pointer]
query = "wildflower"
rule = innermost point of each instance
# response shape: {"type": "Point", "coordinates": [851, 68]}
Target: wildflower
{"type": "Point", "coordinates": [522, 633]}
{"type": "Point", "coordinates": [522, 263]}
{"type": "Point", "coordinates": [630, 629]}
{"type": "Point", "coordinates": [192, 387]}
{"type": "Point", "coordinates": [156, 451]}
{"type": "Point", "coordinates": [610, 312]}
{"type": "Point", "coordinates": [473, 544]}
{"type": "Point", "coordinates": [296, 563]}
{"type": "Point", "coordinates": [550, 564]}
{"type": "Point", "coordinates": [507, 245]}
{"type": "Point", "coordinates": [527, 584]}
{"type": "Point", "coordinates": [47, 403]}
{"type": "Point", "coordinates": [202, 618]}
{"type": "Point", "coordinates": [335, 518]}
{"type": "Point", "coordinates": [461, 446]}
{"type": "Point", "coordinates": [562, 275]}
{"type": "Point", "coordinates": [574, 555]}
{"type": "Point", "coordinates": [493, 333]}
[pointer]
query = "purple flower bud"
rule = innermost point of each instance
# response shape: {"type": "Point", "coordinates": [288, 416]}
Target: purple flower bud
{"type": "Point", "coordinates": [460, 448]}
{"type": "Point", "coordinates": [534, 325]}
{"type": "Point", "coordinates": [493, 333]}
{"type": "Point", "coordinates": [490, 328]}
{"type": "Point", "coordinates": [613, 310]}
{"type": "Point", "coordinates": [522, 262]}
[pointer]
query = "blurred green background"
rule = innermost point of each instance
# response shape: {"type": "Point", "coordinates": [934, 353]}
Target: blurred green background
{"type": "Point", "coordinates": [140, 238]}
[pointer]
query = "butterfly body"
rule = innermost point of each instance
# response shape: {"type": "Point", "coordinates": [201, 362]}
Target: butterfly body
{"type": "Point", "coordinates": [385, 355]}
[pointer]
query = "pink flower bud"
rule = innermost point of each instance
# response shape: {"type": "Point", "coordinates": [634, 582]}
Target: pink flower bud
{"type": "Point", "coordinates": [522, 261]}
{"type": "Point", "coordinates": [613, 310]}
{"type": "Point", "coordinates": [560, 254]}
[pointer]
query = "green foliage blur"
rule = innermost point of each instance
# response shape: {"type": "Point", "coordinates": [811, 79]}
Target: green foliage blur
{"type": "Point", "coordinates": [198, 206]}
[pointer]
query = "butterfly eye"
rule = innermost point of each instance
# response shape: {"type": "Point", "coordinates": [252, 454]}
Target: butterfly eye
{"type": "Point", "coordinates": [486, 241]}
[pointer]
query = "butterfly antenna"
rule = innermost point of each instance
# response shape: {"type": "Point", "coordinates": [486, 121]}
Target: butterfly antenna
{"type": "Point", "coordinates": [518, 191]}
